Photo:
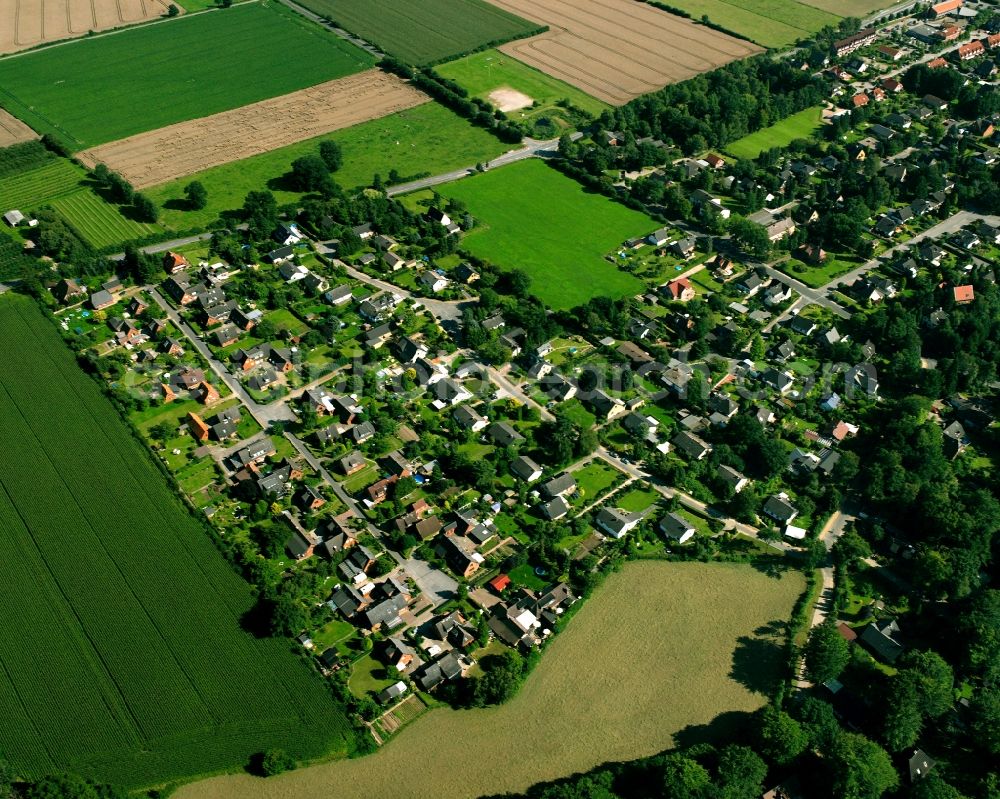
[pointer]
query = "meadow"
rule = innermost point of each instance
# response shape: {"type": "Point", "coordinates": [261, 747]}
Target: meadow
{"type": "Point", "coordinates": [798, 126]}
{"type": "Point", "coordinates": [122, 656]}
{"type": "Point", "coordinates": [426, 139]}
{"type": "Point", "coordinates": [481, 73]}
{"type": "Point", "coordinates": [769, 23]}
{"type": "Point", "coordinates": [421, 33]}
{"type": "Point", "coordinates": [660, 648]}
{"type": "Point", "coordinates": [62, 185]}
{"type": "Point", "coordinates": [533, 218]}
{"type": "Point", "coordinates": [95, 91]}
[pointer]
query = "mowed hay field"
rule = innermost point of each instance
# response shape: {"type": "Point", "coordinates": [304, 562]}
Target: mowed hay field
{"type": "Point", "coordinates": [427, 139]}
{"type": "Point", "coordinates": [98, 90]}
{"type": "Point", "coordinates": [431, 30]}
{"type": "Point", "coordinates": [616, 50]}
{"type": "Point", "coordinates": [63, 185]}
{"type": "Point", "coordinates": [13, 130]}
{"type": "Point", "coordinates": [771, 23]}
{"type": "Point", "coordinates": [533, 218]}
{"type": "Point", "coordinates": [29, 23]}
{"type": "Point", "coordinates": [121, 651]}
{"type": "Point", "coordinates": [659, 647]}
{"type": "Point", "coordinates": [188, 147]}
{"type": "Point", "coordinates": [798, 126]}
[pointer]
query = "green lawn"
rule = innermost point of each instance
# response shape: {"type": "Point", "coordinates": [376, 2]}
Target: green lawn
{"type": "Point", "coordinates": [575, 410]}
{"type": "Point", "coordinates": [367, 674]}
{"type": "Point", "coordinates": [816, 276]}
{"type": "Point", "coordinates": [426, 139]}
{"type": "Point", "coordinates": [636, 500]}
{"type": "Point", "coordinates": [431, 30]}
{"type": "Point", "coordinates": [595, 478]}
{"type": "Point", "coordinates": [524, 575]}
{"type": "Point", "coordinates": [770, 23]}
{"type": "Point", "coordinates": [481, 73]}
{"type": "Point", "coordinates": [798, 126]}
{"type": "Point", "coordinates": [105, 88]}
{"type": "Point", "coordinates": [535, 219]}
{"type": "Point", "coordinates": [120, 598]}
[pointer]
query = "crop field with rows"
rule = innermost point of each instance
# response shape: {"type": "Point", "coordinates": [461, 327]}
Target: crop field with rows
{"type": "Point", "coordinates": [121, 651]}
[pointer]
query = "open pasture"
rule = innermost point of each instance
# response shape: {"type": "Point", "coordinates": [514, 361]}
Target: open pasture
{"type": "Point", "coordinates": [535, 219]}
{"type": "Point", "coordinates": [660, 647]}
{"type": "Point", "coordinates": [30, 23]}
{"type": "Point", "coordinates": [424, 32]}
{"type": "Point", "coordinates": [483, 74]}
{"type": "Point", "coordinates": [616, 50]}
{"type": "Point", "coordinates": [122, 656]}
{"type": "Point", "coordinates": [96, 90]}
{"type": "Point", "coordinates": [850, 8]}
{"type": "Point", "coordinates": [798, 126]}
{"type": "Point", "coordinates": [188, 147]}
{"type": "Point", "coordinates": [426, 139]}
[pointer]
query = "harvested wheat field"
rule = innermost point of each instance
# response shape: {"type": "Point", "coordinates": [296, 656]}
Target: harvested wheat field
{"type": "Point", "coordinates": [659, 647]}
{"type": "Point", "coordinates": [176, 151]}
{"type": "Point", "coordinates": [616, 50]}
{"type": "Point", "coordinates": [29, 23]}
{"type": "Point", "coordinates": [13, 130]}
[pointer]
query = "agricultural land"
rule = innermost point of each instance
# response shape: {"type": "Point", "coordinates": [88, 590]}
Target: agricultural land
{"type": "Point", "coordinates": [798, 126]}
{"type": "Point", "coordinates": [616, 50]}
{"type": "Point", "coordinates": [92, 92]}
{"type": "Point", "coordinates": [560, 242]}
{"type": "Point", "coordinates": [425, 32]}
{"type": "Point", "coordinates": [188, 147]}
{"type": "Point", "coordinates": [493, 76]}
{"type": "Point", "coordinates": [122, 651]}
{"type": "Point", "coordinates": [425, 139]}
{"type": "Point", "coordinates": [65, 187]}
{"type": "Point", "coordinates": [661, 646]}
{"type": "Point", "coordinates": [30, 24]}
{"type": "Point", "coordinates": [13, 130]}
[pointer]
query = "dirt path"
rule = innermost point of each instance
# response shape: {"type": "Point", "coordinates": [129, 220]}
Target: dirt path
{"type": "Point", "coordinates": [185, 148]}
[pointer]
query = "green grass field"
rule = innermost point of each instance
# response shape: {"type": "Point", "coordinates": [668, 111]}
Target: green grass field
{"type": "Point", "coordinates": [426, 139]}
{"type": "Point", "coordinates": [660, 647]}
{"type": "Point", "coordinates": [849, 8]}
{"type": "Point", "coordinates": [798, 126]}
{"type": "Point", "coordinates": [62, 185]}
{"type": "Point", "coordinates": [770, 23]}
{"type": "Point", "coordinates": [538, 220]}
{"type": "Point", "coordinates": [431, 30]}
{"type": "Point", "coordinates": [481, 73]}
{"type": "Point", "coordinates": [97, 90]}
{"type": "Point", "coordinates": [122, 656]}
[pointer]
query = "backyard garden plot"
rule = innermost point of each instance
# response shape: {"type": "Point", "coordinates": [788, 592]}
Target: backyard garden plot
{"type": "Point", "coordinates": [535, 219]}
{"type": "Point", "coordinates": [798, 126]}
{"type": "Point", "coordinates": [427, 139]}
{"type": "Point", "coordinates": [26, 24]}
{"type": "Point", "coordinates": [431, 30]}
{"type": "Point", "coordinates": [118, 597]}
{"type": "Point", "coordinates": [95, 90]}
{"type": "Point", "coordinates": [660, 647]}
{"type": "Point", "coordinates": [616, 50]}
{"type": "Point", "coordinates": [188, 147]}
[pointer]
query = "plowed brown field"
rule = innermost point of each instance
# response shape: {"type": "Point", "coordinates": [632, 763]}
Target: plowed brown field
{"type": "Point", "coordinates": [29, 23]}
{"type": "Point", "coordinates": [616, 50]}
{"type": "Point", "coordinates": [188, 147]}
{"type": "Point", "coordinates": [13, 130]}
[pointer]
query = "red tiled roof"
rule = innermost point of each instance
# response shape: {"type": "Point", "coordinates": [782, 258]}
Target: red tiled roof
{"type": "Point", "coordinates": [500, 582]}
{"type": "Point", "coordinates": [964, 293]}
{"type": "Point", "coordinates": [946, 6]}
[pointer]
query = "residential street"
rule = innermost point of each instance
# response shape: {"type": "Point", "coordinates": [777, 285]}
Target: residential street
{"type": "Point", "coordinates": [263, 414]}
